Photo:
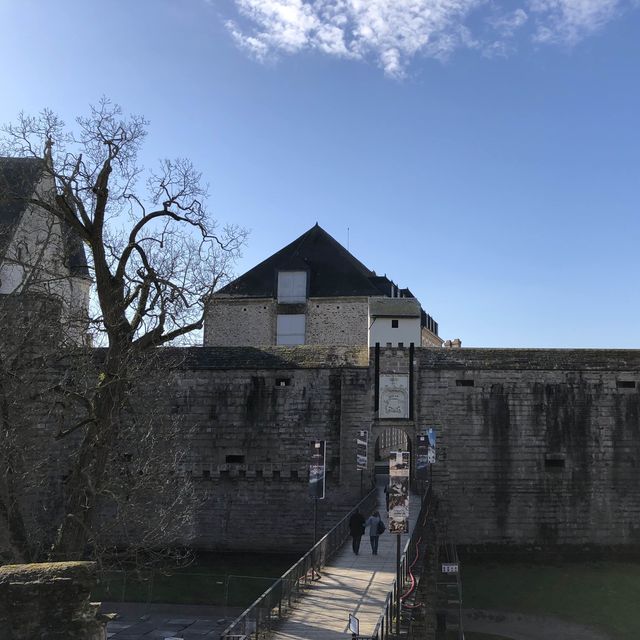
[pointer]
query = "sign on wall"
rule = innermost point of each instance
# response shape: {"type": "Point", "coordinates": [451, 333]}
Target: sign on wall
{"type": "Point", "coordinates": [317, 468]}
{"type": "Point", "coordinates": [399, 492]}
{"type": "Point", "coordinates": [361, 449]}
{"type": "Point", "coordinates": [394, 396]}
{"type": "Point", "coordinates": [432, 445]}
{"type": "Point", "coordinates": [422, 456]}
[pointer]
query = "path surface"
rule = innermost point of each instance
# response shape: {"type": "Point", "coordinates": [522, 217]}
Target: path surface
{"type": "Point", "coordinates": [518, 626]}
{"type": "Point", "coordinates": [159, 621]}
{"type": "Point", "coordinates": [349, 584]}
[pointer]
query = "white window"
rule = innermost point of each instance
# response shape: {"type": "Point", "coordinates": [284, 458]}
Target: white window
{"type": "Point", "coordinates": [292, 286]}
{"type": "Point", "coordinates": [290, 329]}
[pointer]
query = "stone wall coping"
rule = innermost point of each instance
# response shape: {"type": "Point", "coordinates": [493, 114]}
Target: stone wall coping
{"type": "Point", "coordinates": [45, 571]}
{"type": "Point", "coordinates": [482, 359]}
{"type": "Point", "coordinates": [242, 358]}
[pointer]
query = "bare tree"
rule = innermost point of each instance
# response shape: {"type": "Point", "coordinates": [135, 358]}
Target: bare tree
{"type": "Point", "coordinates": [154, 256]}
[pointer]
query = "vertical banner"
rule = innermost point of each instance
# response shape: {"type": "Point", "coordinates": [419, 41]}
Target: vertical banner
{"type": "Point", "coordinates": [432, 445]}
{"type": "Point", "coordinates": [399, 492]}
{"type": "Point", "coordinates": [361, 449]}
{"type": "Point", "coordinates": [317, 465]}
{"type": "Point", "coordinates": [422, 456]}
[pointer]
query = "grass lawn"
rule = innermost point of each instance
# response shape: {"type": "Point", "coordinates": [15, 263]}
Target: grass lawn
{"type": "Point", "coordinates": [602, 594]}
{"type": "Point", "coordinates": [225, 579]}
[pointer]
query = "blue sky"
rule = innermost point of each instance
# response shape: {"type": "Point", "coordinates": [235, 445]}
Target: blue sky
{"type": "Point", "coordinates": [485, 154]}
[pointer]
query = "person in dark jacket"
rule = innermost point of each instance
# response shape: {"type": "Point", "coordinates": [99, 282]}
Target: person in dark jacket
{"type": "Point", "coordinates": [356, 527]}
{"type": "Point", "coordinates": [372, 522]}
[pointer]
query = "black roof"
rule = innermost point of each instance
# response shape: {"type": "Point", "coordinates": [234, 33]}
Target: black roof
{"type": "Point", "coordinates": [19, 178]}
{"type": "Point", "coordinates": [333, 271]}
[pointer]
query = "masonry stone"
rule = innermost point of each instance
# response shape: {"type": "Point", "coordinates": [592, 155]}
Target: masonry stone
{"type": "Point", "coordinates": [49, 601]}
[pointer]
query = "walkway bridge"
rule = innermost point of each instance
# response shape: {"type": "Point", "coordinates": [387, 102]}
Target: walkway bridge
{"type": "Point", "coordinates": [314, 598]}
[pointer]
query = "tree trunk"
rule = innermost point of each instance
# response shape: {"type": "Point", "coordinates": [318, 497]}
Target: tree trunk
{"type": "Point", "coordinates": [88, 472]}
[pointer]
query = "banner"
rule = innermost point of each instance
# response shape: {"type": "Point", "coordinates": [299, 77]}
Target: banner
{"type": "Point", "coordinates": [432, 445]}
{"type": "Point", "coordinates": [422, 456]}
{"type": "Point", "coordinates": [361, 449]}
{"type": "Point", "coordinates": [317, 466]}
{"type": "Point", "coordinates": [399, 492]}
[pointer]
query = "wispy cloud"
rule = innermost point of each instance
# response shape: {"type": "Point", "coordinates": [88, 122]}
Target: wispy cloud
{"type": "Point", "coordinates": [392, 32]}
{"type": "Point", "coordinates": [568, 21]}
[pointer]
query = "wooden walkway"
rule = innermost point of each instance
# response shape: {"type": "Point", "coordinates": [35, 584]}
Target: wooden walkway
{"type": "Point", "coordinates": [350, 583]}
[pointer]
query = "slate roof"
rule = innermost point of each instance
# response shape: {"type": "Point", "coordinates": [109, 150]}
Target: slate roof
{"type": "Point", "coordinates": [333, 271]}
{"type": "Point", "coordinates": [18, 180]}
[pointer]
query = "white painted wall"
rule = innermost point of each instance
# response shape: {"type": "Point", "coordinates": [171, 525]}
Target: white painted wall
{"type": "Point", "coordinates": [34, 262]}
{"type": "Point", "coordinates": [408, 331]}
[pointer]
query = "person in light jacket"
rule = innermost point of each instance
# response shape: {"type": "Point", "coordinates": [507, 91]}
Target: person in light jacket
{"type": "Point", "coordinates": [372, 523]}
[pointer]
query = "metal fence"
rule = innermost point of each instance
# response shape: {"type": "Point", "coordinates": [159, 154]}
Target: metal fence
{"type": "Point", "coordinates": [147, 587]}
{"type": "Point", "coordinates": [384, 627]}
{"type": "Point", "coordinates": [259, 618]}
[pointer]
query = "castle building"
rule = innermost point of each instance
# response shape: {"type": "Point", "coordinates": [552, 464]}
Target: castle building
{"type": "Point", "coordinates": [315, 292]}
{"type": "Point", "coordinates": [38, 253]}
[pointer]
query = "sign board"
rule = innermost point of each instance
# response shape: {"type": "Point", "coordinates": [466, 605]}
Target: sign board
{"type": "Point", "coordinates": [450, 567]}
{"type": "Point", "coordinates": [399, 492]}
{"type": "Point", "coordinates": [317, 468]}
{"type": "Point", "coordinates": [361, 449]}
{"type": "Point", "coordinates": [422, 456]}
{"type": "Point", "coordinates": [354, 624]}
{"type": "Point", "coordinates": [394, 396]}
{"type": "Point", "coordinates": [431, 434]}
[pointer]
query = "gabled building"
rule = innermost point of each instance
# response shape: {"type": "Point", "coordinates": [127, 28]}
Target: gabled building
{"type": "Point", "coordinates": [313, 291]}
{"type": "Point", "coordinates": [38, 253]}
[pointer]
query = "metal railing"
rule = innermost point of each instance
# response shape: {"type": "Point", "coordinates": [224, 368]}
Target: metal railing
{"type": "Point", "coordinates": [384, 626]}
{"type": "Point", "coordinates": [259, 619]}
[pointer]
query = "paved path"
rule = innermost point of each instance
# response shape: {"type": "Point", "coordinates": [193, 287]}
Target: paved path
{"type": "Point", "coordinates": [349, 584]}
{"type": "Point", "coordinates": [159, 621]}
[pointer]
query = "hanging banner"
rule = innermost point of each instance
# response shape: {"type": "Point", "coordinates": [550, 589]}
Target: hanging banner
{"type": "Point", "coordinates": [399, 492]}
{"type": "Point", "coordinates": [317, 466]}
{"type": "Point", "coordinates": [432, 445]}
{"type": "Point", "coordinates": [422, 456]}
{"type": "Point", "coordinates": [361, 449]}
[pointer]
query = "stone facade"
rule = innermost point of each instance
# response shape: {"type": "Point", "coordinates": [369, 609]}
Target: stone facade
{"type": "Point", "coordinates": [534, 446]}
{"type": "Point", "coordinates": [240, 322]}
{"type": "Point", "coordinates": [337, 321]}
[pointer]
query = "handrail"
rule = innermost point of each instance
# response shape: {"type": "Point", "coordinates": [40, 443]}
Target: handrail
{"type": "Point", "coordinates": [383, 628]}
{"type": "Point", "coordinates": [258, 618]}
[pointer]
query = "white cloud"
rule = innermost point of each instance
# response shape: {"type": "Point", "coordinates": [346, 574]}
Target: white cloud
{"type": "Point", "coordinates": [568, 21]}
{"type": "Point", "coordinates": [393, 32]}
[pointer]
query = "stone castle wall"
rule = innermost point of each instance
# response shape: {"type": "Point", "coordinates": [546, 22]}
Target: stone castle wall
{"type": "Point", "coordinates": [232, 322]}
{"type": "Point", "coordinates": [542, 449]}
{"type": "Point", "coordinates": [339, 321]}
{"type": "Point", "coordinates": [534, 446]}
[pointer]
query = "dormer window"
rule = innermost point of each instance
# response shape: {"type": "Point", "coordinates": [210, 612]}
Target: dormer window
{"type": "Point", "coordinates": [292, 287]}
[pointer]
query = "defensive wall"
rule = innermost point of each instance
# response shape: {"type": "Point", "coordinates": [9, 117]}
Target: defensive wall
{"type": "Point", "coordinates": [535, 447]}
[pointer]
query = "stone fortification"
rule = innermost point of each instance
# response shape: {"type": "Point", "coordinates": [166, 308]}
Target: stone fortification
{"type": "Point", "coordinates": [535, 447]}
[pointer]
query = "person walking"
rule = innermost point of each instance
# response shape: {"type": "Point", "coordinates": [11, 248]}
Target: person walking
{"type": "Point", "coordinates": [373, 522]}
{"type": "Point", "coordinates": [356, 527]}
